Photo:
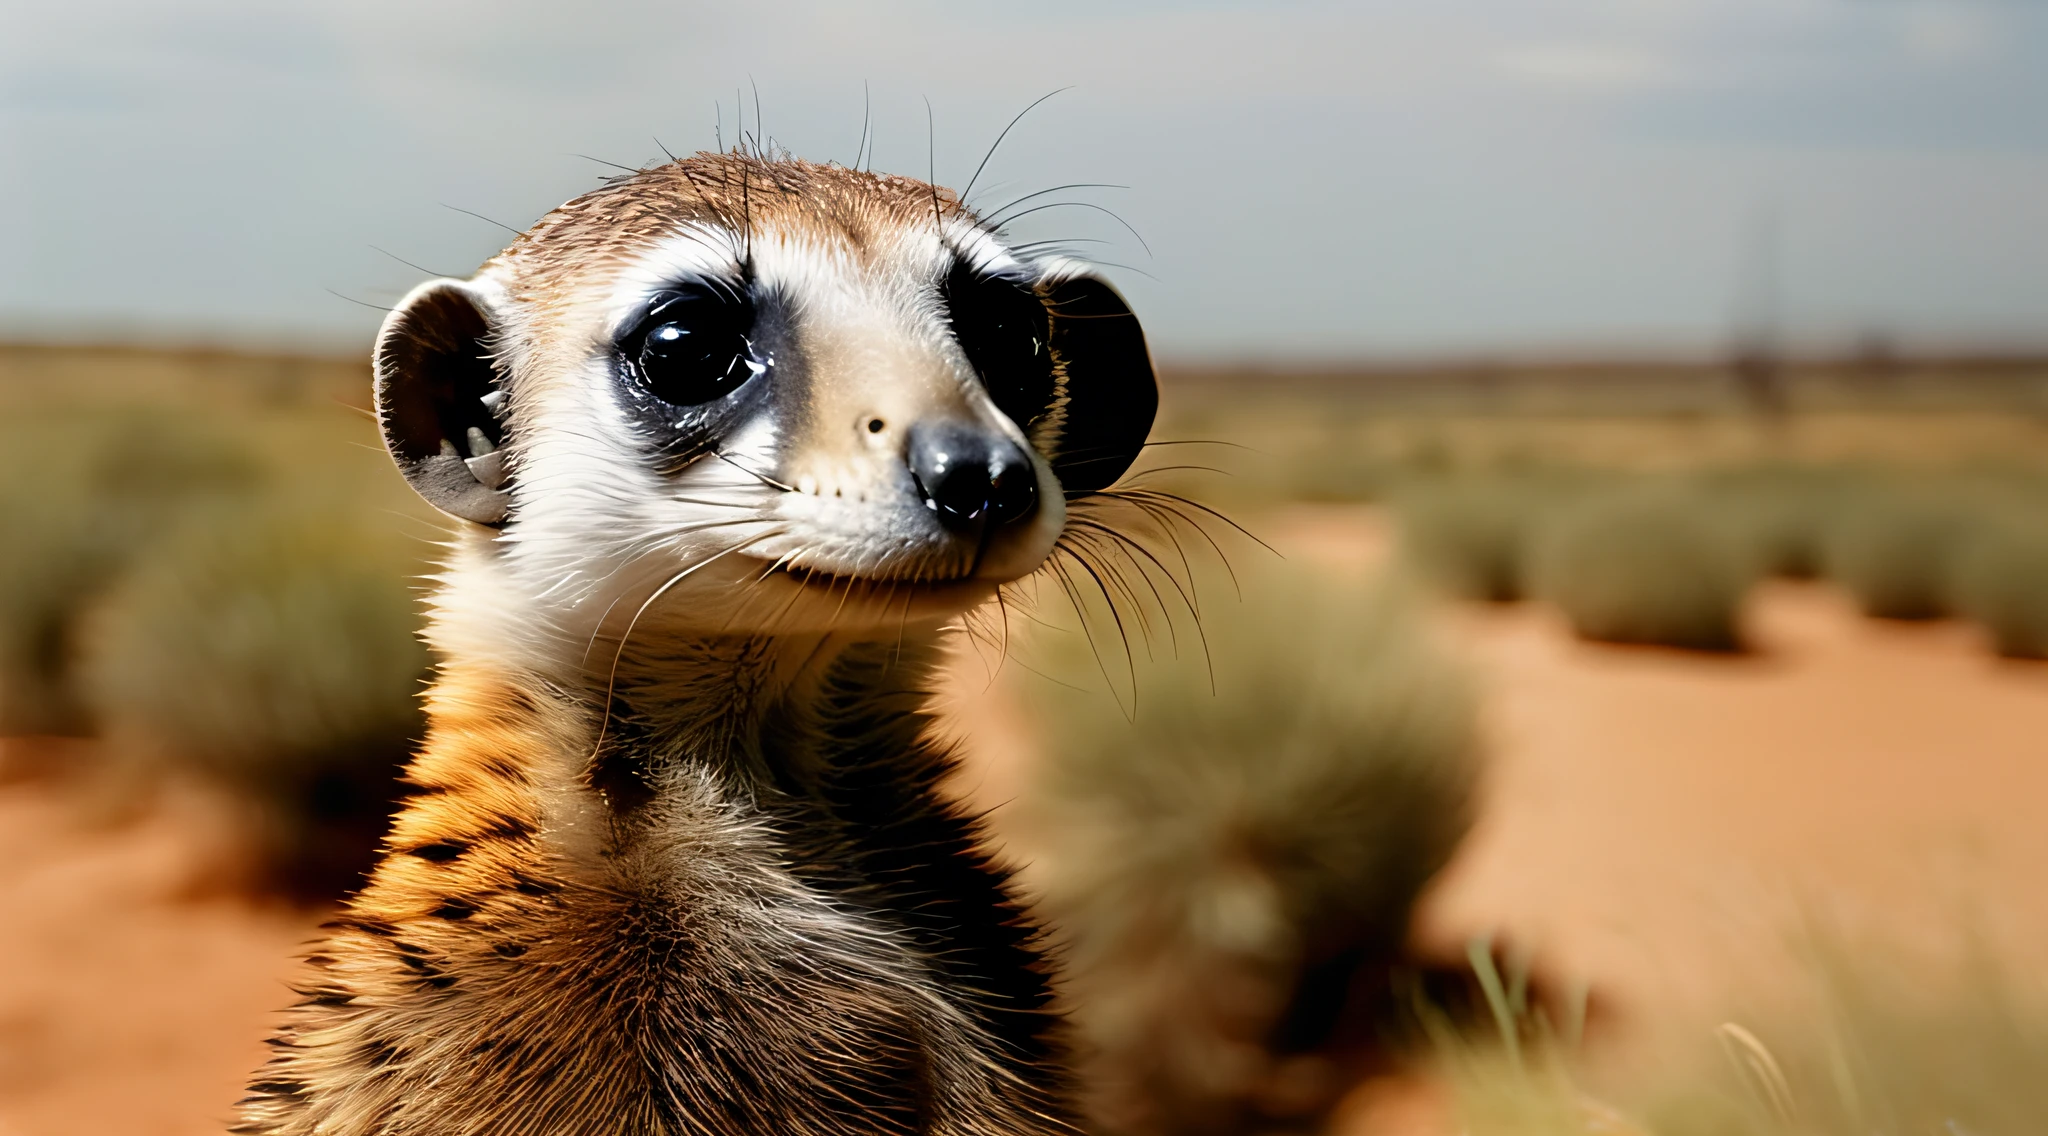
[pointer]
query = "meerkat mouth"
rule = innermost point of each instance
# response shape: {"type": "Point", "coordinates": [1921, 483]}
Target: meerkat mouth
{"type": "Point", "coordinates": [844, 582]}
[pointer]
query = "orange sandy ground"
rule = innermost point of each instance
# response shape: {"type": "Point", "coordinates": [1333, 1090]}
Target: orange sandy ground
{"type": "Point", "coordinates": [1653, 823]}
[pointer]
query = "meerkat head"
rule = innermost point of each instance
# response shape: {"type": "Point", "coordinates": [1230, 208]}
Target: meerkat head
{"type": "Point", "coordinates": [740, 395]}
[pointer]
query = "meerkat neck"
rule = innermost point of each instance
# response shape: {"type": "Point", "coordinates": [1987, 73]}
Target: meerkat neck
{"type": "Point", "coordinates": [631, 704]}
{"type": "Point", "coordinates": [745, 838]}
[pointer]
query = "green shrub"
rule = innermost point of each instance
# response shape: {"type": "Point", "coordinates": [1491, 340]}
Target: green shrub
{"type": "Point", "coordinates": [1471, 534]}
{"type": "Point", "coordinates": [1221, 865]}
{"type": "Point", "coordinates": [57, 553]}
{"type": "Point", "coordinates": [79, 498]}
{"type": "Point", "coordinates": [2000, 580]}
{"type": "Point", "coordinates": [275, 650]}
{"type": "Point", "coordinates": [1781, 511]}
{"type": "Point", "coordinates": [1893, 548]}
{"type": "Point", "coordinates": [1648, 566]}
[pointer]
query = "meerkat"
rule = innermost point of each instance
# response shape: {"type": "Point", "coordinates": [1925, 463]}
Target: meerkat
{"type": "Point", "coordinates": [730, 441]}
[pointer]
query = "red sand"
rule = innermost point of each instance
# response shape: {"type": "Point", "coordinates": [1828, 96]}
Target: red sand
{"type": "Point", "coordinates": [134, 996]}
{"type": "Point", "coordinates": [1659, 822]}
{"type": "Point", "coordinates": [1653, 823]}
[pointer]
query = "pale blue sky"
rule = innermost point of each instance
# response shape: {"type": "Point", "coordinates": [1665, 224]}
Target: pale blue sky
{"type": "Point", "coordinates": [1314, 180]}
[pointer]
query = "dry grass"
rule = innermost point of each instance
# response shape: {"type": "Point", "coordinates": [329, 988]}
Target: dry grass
{"type": "Point", "coordinates": [1893, 546]}
{"type": "Point", "coordinates": [1651, 565]}
{"type": "Point", "coordinates": [1473, 533]}
{"type": "Point", "coordinates": [2000, 580]}
{"type": "Point", "coordinates": [1883, 1044]}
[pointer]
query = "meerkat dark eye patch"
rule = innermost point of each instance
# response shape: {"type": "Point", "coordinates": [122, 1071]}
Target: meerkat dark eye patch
{"type": "Point", "coordinates": [1108, 393]}
{"type": "Point", "coordinates": [439, 403]}
{"type": "Point", "coordinates": [1005, 331]}
{"type": "Point", "coordinates": [686, 366]}
{"type": "Point", "coordinates": [693, 346]}
{"type": "Point", "coordinates": [1066, 361]}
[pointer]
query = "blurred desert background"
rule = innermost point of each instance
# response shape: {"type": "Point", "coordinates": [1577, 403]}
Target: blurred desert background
{"type": "Point", "coordinates": [1691, 710]}
{"type": "Point", "coordinates": [1575, 660]}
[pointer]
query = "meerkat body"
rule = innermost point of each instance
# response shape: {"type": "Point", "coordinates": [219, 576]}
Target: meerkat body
{"type": "Point", "coordinates": [733, 438]}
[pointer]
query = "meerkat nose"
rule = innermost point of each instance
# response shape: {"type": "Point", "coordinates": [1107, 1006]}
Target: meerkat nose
{"type": "Point", "coordinates": [972, 477]}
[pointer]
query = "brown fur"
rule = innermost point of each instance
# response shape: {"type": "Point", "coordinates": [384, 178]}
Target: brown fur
{"type": "Point", "coordinates": [736, 191]}
{"type": "Point", "coordinates": [509, 970]}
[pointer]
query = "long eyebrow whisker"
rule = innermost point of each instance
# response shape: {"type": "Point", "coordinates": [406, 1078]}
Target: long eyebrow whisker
{"type": "Point", "coordinates": [997, 144]}
{"type": "Point", "coordinates": [996, 220]}
{"type": "Point", "coordinates": [1102, 209]}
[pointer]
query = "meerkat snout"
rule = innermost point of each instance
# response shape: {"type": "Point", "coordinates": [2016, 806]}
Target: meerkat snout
{"type": "Point", "coordinates": [974, 480]}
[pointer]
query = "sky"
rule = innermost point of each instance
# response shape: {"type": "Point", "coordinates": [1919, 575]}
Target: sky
{"type": "Point", "coordinates": [1306, 181]}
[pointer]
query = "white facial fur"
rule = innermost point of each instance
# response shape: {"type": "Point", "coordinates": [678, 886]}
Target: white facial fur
{"type": "Point", "coordinates": [802, 521]}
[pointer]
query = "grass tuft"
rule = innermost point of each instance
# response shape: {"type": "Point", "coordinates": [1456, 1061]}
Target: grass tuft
{"type": "Point", "coordinates": [2000, 580]}
{"type": "Point", "coordinates": [1893, 549]}
{"type": "Point", "coordinates": [1471, 534]}
{"type": "Point", "coordinates": [1890, 1046]}
{"type": "Point", "coordinates": [1880, 1042]}
{"type": "Point", "coordinates": [1782, 511]}
{"type": "Point", "coordinates": [1646, 566]}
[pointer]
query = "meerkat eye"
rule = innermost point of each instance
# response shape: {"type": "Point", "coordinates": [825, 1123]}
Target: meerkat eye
{"type": "Point", "coordinates": [692, 347]}
{"type": "Point", "coordinates": [1005, 330]}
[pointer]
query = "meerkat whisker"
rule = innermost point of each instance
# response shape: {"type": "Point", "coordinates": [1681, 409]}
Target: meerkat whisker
{"type": "Point", "coordinates": [1102, 209]}
{"type": "Point", "coordinates": [1137, 548]}
{"type": "Point", "coordinates": [968, 192]}
{"type": "Point", "coordinates": [996, 217]}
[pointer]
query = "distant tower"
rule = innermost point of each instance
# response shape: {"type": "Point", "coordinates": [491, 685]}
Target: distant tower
{"type": "Point", "coordinates": [1756, 361]}
{"type": "Point", "coordinates": [1877, 362]}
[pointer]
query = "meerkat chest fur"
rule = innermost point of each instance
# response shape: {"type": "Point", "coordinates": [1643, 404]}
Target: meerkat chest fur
{"type": "Point", "coordinates": [729, 442]}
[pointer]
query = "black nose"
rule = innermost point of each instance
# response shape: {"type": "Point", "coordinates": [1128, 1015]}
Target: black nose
{"type": "Point", "coordinates": [971, 477]}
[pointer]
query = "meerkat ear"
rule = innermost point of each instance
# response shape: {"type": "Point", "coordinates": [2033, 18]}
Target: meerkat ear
{"type": "Point", "coordinates": [439, 402]}
{"type": "Point", "coordinates": [1105, 374]}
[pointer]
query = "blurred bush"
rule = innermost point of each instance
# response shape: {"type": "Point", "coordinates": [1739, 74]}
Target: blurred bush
{"type": "Point", "coordinates": [273, 649]}
{"type": "Point", "coordinates": [1646, 565]}
{"type": "Point", "coordinates": [164, 585]}
{"type": "Point", "coordinates": [79, 497]}
{"type": "Point", "coordinates": [1235, 867]}
{"type": "Point", "coordinates": [2000, 580]}
{"type": "Point", "coordinates": [1892, 547]}
{"type": "Point", "coordinates": [1471, 533]}
{"type": "Point", "coordinates": [57, 555]}
{"type": "Point", "coordinates": [1782, 511]}
{"type": "Point", "coordinates": [1666, 559]}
